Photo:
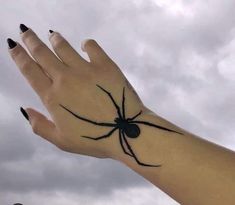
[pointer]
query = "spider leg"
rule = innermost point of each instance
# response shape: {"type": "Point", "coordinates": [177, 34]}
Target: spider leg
{"type": "Point", "coordinates": [136, 159]}
{"type": "Point", "coordinates": [153, 125]}
{"type": "Point", "coordinates": [103, 136]}
{"type": "Point", "coordinates": [90, 121]}
{"type": "Point", "coordinates": [111, 97]}
{"type": "Point", "coordinates": [132, 118]}
{"type": "Point", "coordinates": [121, 142]}
{"type": "Point", "coordinates": [123, 103]}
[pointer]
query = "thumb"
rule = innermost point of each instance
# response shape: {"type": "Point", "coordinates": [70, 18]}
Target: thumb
{"type": "Point", "coordinates": [41, 125]}
{"type": "Point", "coordinates": [96, 54]}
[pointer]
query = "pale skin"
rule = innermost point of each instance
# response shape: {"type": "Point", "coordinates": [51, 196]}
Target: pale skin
{"type": "Point", "coordinates": [193, 171]}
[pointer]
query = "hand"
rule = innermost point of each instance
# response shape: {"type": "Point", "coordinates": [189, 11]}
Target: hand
{"type": "Point", "coordinates": [70, 86]}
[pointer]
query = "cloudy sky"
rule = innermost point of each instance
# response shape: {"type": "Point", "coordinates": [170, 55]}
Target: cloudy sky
{"type": "Point", "coordinates": [179, 55]}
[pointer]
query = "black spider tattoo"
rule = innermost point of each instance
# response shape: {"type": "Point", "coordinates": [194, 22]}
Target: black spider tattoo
{"type": "Point", "coordinates": [127, 127]}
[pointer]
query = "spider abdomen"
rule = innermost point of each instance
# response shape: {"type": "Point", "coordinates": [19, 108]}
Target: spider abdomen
{"type": "Point", "coordinates": [131, 130]}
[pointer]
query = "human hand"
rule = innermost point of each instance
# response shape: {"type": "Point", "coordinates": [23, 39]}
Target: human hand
{"type": "Point", "coordinates": [75, 91]}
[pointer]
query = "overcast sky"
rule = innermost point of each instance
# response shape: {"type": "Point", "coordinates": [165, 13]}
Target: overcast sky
{"type": "Point", "coordinates": [179, 55]}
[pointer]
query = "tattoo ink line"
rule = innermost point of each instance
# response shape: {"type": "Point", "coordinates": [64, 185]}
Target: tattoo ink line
{"type": "Point", "coordinates": [127, 127]}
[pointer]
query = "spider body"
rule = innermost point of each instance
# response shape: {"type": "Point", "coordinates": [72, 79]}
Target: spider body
{"type": "Point", "coordinates": [127, 127]}
{"type": "Point", "coordinates": [131, 130]}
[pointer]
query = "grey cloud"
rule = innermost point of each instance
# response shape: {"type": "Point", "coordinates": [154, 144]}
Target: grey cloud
{"type": "Point", "coordinates": [173, 61]}
{"type": "Point", "coordinates": [63, 172]}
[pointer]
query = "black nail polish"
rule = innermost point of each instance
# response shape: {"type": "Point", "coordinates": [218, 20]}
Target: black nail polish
{"type": "Point", "coordinates": [11, 43]}
{"type": "Point", "coordinates": [24, 113]}
{"type": "Point", "coordinates": [23, 28]}
{"type": "Point", "coordinates": [51, 31]}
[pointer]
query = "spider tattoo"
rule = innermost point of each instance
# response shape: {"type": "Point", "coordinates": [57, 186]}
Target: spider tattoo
{"type": "Point", "coordinates": [127, 127]}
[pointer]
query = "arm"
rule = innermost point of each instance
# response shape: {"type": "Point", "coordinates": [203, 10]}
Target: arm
{"type": "Point", "coordinates": [194, 171]}
{"type": "Point", "coordinates": [96, 112]}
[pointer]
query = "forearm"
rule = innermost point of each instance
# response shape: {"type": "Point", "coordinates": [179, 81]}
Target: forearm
{"type": "Point", "coordinates": [193, 171]}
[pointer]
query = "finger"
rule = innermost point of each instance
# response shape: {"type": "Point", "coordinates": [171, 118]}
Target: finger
{"type": "Point", "coordinates": [95, 52]}
{"type": "Point", "coordinates": [41, 53]}
{"type": "Point", "coordinates": [39, 81]}
{"type": "Point", "coordinates": [42, 126]}
{"type": "Point", "coordinates": [65, 51]}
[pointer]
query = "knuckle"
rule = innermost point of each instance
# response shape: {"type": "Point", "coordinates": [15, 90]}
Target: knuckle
{"type": "Point", "coordinates": [49, 99]}
{"type": "Point", "coordinates": [62, 78]}
{"type": "Point", "coordinates": [26, 67]}
{"type": "Point", "coordinates": [59, 43]}
{"type": "Point", "coordinates": [61, 145]}
{"type": "Point", "coordinates": [17, 51]}
{"type": "Point", "coordinates": [32, 41]}
{"type": "Point", "coordinates": [39, 48]}
{"type": "Point", "coordinates": [35, 129]}
{"type": "Point", "coordinates": [28, 36]}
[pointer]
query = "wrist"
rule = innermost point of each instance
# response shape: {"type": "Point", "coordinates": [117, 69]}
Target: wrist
{"type": "Point", "coordinates": [151, 145]}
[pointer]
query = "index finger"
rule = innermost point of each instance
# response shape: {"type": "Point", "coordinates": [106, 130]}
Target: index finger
{"type": "Point", "coordinates": [38, 80]}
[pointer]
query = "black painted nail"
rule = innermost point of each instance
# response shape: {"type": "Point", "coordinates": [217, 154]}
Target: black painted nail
{"type": "Point", "coordinates": [23, 28]}
{"type": "Point", "coordinates": [11, 43]}
{"type": "Point", "coordinates": [51, 31]}
{"type": "Point", "coordinates": [24, 113]}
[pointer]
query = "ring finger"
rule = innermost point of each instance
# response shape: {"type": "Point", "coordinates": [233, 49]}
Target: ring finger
{"type": "Point", "coordinates": [65, 51]}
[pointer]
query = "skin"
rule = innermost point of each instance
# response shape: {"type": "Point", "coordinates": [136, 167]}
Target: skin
{"type": "Point", "coordinates": [193, 171]}
{"type": "Point", "coordinates": [71, 81]}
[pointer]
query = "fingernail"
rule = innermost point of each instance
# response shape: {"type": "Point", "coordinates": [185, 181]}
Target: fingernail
{"type": "Point", "coordinates": [11, 43]}
{"type": "Point", "coordinates": [23, 28]}
{"type": "Point", "coordinates": [50, 33]}
{"type": "Point", "coordinates": [24, 113]}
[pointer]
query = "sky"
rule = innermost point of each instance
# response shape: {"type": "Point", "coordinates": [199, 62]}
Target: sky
{"type": "Point", "coordinates": [179, 56]}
